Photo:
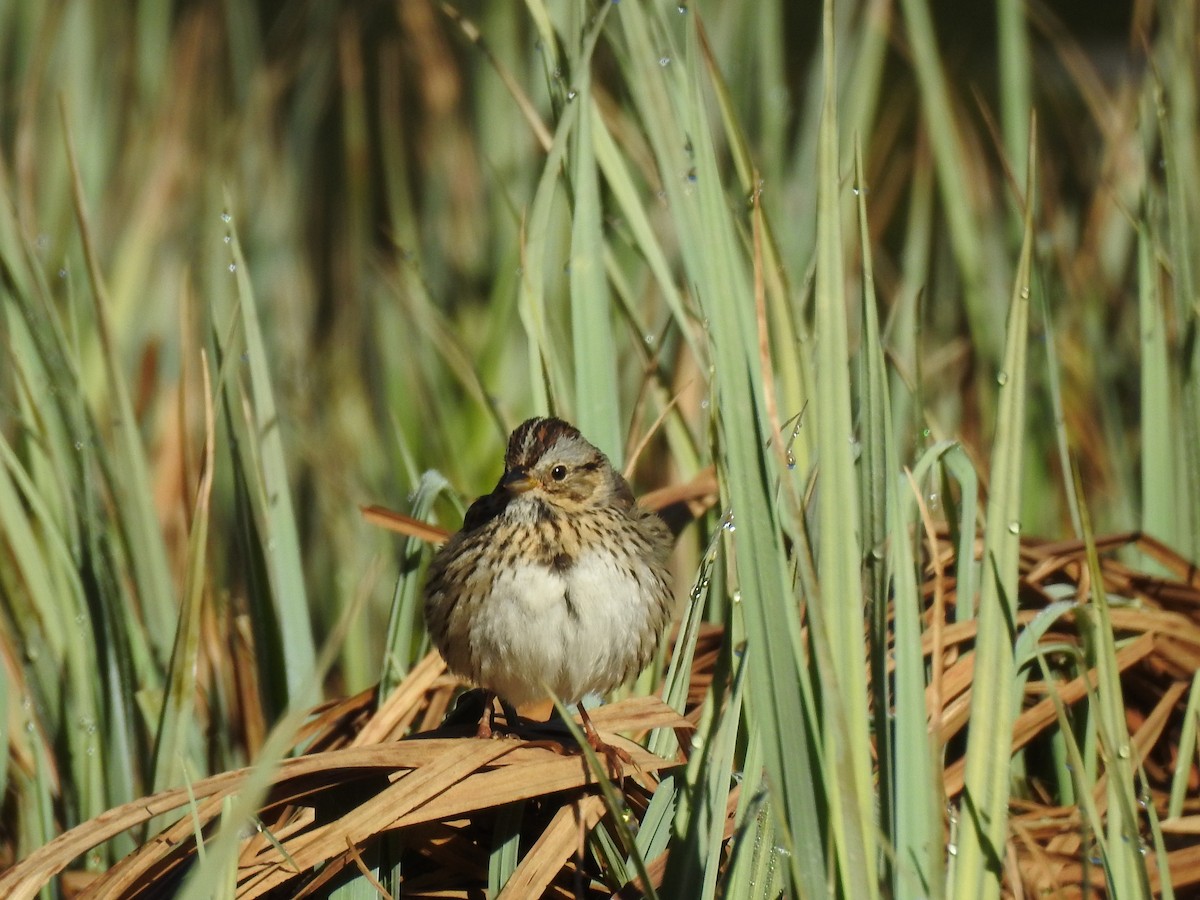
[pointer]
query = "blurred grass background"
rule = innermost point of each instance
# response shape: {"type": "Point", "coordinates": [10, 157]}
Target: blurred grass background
{"type": "Point", "coordinates": [373, 237]}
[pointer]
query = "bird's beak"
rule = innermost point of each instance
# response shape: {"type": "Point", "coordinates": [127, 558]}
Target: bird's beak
{"type": "Point", "coordinates": [518, 481]}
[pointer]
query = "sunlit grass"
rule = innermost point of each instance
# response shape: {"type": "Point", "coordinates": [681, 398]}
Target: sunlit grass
{"type": "Point", "coordinates": [256, 273]}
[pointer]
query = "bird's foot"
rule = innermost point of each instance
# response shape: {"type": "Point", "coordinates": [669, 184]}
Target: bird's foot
{"type": "Point", "coordinates": [615, 757]}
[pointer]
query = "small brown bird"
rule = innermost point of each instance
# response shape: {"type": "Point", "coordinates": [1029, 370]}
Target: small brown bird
{"type": "Point", "coordinates": [557, 580]}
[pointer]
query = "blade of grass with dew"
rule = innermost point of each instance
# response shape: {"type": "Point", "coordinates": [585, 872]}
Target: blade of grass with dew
{"type": "Point", "coordinates": [754, 827]}
{"type": "Point", "coordinates": [716, 268]}
{"type": "Point", "coordinates": [679, 672]}
{"type": "Point", "coordinates": [844, 697]}
{"type": "Point", "coordinates": [275, 514]}
{"type": "Point", "coordinates": [1127, 866]}
{"type": "Point", "coordinates": [178, 741]}
{"type": "Point", "coordinates": [696, 860]}
{"type": "Point", "coordinates": [984, 808]}
{"type": "Point", "coordinates": [1154, 826]}
{"type": "Point", "coordinates": [597, 398]}
{"type": "Point", "coordinates": [398, 648]}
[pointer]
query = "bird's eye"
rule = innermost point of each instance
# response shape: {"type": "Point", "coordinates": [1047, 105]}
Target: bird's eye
{"type": "Point", "coordinates": [558, 473]}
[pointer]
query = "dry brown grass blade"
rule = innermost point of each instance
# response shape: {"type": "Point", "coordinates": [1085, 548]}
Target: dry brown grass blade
{"type": "Point", "coordinates": [403, 704]}
{"type": "Point", "coordinates": [402, 524]}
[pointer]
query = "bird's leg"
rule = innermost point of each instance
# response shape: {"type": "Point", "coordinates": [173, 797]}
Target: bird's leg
{"type": "Point", "coordinates": [511, 716]}
{"type": "Point", "coordinates": [488, 719]}
{"type": "Point", "coordinates": [614, 756]}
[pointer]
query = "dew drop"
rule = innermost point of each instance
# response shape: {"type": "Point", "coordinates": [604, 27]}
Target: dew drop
{"type": "Point", "coordinates": [664, 61]}
{"type": "Point", "coordinates": [226, 217]}
{"type": "Point", "coordinates": [933, 501]}
{"type": "Point", "coordinates": [704, 403]}
{"type": "Point", "coordinates": [228, 239]}
{"type": "Point", "coordinates": [682, 9]}
{"type": "Point", "coordinates": [62, 273]}
{"type": "Point", "coordinates": [791, 460]}
{"type": "Point", "coordinates": [1002, 379]}
{"type": "Point", "coordinates": [571, 95]}
{"type": "Point", "coordinates": [737, 597]}
{"type": "Point", "coordinates": [649, 339]}
{"type": "Point", "coordinates": [691, 176]}
{"type": "Point", "coordinates": [1014, 527]}
{"type": "Point", "coordinates": [79, 445]}
{"type": "Point", "coordinates": [233, 267]}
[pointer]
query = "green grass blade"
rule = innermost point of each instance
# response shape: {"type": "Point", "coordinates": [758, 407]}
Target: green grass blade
{"type": "Point", "coordinates": [398, 654]}
{"type": "Point", "coordinates": [953, 167]}
{"type": "Point", "coordinates": [1126, 865]}
{"type": "Point", "coordinates": [984, 807]}
{"type": "Point", "coordinates": [844, 695]}
{"type": "Point", "coordinates": [1162, 510]}
{"type": "Point", "coordinates": [275, 515]}
{"type": "Point", "coordinates": [597, 398]}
